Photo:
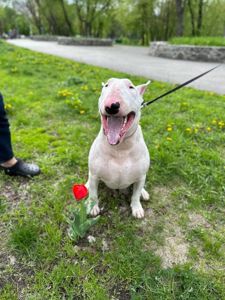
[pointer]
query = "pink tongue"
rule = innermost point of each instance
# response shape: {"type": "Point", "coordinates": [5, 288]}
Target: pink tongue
{"type": "Point", "coordinates": [115, 125]}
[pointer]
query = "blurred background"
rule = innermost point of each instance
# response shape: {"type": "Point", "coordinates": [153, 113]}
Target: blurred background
{"type": "Point", "coordinates": [135, 22]}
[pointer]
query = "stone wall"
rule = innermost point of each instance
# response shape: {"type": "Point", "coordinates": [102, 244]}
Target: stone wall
{"type": "Point", "coordinates": [84, 41]}
{"type": "Point", "coordinates": [186, 52]}
{"type": "Point", "coordinates": [50, 38]}
{"type": "Point", "coordinates": [63, 40]}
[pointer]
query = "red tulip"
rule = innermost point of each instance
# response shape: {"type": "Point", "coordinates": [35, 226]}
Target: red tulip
{"type": "Point", "coordinates": [80, 191]}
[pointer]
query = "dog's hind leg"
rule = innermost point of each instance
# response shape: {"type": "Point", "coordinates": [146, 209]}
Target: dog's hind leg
{"type": "Point", "coordinates": [145, 195]}
{"type": "Point", "coordinates": [87, 184]}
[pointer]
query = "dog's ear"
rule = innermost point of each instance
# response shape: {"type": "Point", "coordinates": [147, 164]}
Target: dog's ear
{"type": "Point", "coordinates": [103, 84]}
{"type": "Point", "coordinates": [141, 88]}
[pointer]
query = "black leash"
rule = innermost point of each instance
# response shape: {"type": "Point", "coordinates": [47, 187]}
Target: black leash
{"type": "Point", "coordinates": [177, 87]}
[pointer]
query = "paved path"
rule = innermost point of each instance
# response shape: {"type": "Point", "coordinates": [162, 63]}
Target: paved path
{"type": "Point", "coordinates": [135, 60]}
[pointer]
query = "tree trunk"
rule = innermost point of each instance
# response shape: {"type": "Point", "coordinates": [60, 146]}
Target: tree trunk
{"type": "Point", "coordinates": [167, 22]}
{"type": "Point", "coordinates": [193, 32]}
{"type": "Point", "coordinates": [68, 23]}
{"type": "Point", "coordinates": [36, 18]}
{"type": "Point", "coordinates": [88, 12]}
{"type": "Point", "coordinates": [51, 19]}
{"type": "Point", "coordinates": [180, 6]}
{"type": "Point", "coordinates": [200, 12]}
{"type": "Point", "coordinates": [88, 28]}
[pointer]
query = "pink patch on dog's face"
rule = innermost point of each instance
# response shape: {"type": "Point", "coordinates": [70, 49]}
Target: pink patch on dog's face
{"type": "Point", "coordinates": [114, 96]}
{"type": "Point", "coordinates": [79, 191]}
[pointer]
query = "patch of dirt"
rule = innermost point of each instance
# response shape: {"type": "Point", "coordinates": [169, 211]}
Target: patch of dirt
{"type": "Point", "coordinates": [15, 273]}
{"type": "Point", "coordinates": [171, 245]}
{"type": "Point", "coordinates": [11, 269]}
{"type": "Point", "coordinates": [119, 291]}
{"type": "Point", "coordinates": [120, 199]}
{"type": "Point", "coordinates": [175, 248]}
{"type": "Point", "coordinates": [16, 193]}
{"type": "Point", "coordinates": [162, 192]}
{"type": "Point", "coordinates": [197, 220]}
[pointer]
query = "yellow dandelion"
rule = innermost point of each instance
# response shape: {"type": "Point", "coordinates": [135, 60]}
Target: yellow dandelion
{"type": "Point", "coordinates": [84, 87]}
{"type": "Point", "coordinates": [8, 106]}
{"type": "Point", "coordinates": [214, 122]}
{"type": "Point", "coordinates": [196, 130]}
{"type": "Point", "coordinates": [188, 130]}
{"type": "Point", "coordinates": [82, 112]}
{"type": "Point", "coordinates": [221, 124]}
{"type": "Point", "coordinates": [208, 129]}
{"type": "Point", "coordinates": [169, 139]}
{"type": "Point", "coordinates": [77, 102]}
{"type": "Point", "coordinates": [169, 129]}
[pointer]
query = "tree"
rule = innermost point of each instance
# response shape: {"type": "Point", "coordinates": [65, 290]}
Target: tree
{"type": "Point", "coordinates": [67, 20]}
{"type": "Point", "coordinates": [199, 20]}
{"type": "Point", "coordinates": [196, 15]}
{"type": "Point", "coordinates": [33, 6]}
{"type": "Point", "coordinates": [48, 16]}
{"type": "Point", "coordinates": [11, 19]}
{"type": "Point", "coordinates": [88, 11]}
{"type": "Point", "coordinates": [192, 15]}
{"type": "Point", "coordinates": [138, 21]}
{"type": "Point", "coordinates": [180, 8]}
{"type": "Point", "coordinates": [145, 9]}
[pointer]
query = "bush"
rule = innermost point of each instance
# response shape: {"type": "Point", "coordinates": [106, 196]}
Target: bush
{"type": "Point", "coordinates": [199, 41]}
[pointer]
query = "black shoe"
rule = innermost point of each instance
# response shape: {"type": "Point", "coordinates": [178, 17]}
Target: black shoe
{"type": "Point", "coordinates": [22, 169]}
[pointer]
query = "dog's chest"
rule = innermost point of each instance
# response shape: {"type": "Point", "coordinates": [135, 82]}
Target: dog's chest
{"type": "Point", "coordinates": [120, 170]}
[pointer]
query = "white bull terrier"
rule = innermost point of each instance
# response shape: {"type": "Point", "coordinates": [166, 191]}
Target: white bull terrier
{"type": "Point", "coordinates": [119, 156]}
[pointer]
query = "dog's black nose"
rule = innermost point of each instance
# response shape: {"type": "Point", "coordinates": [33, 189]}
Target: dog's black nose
{"type": "Point", "coordinates": [114, 109]}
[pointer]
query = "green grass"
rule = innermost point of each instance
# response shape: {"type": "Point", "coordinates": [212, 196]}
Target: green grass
{"type": "Point", "coordinates": [199, 41]}
{"type": "Point", "coordinates": [176, 252]}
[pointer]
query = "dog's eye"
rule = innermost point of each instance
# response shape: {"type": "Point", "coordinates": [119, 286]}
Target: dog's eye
{"type": "Point", "coordinates": [131, 87]}
{"type": "Point", "coordinates": [106, 85]}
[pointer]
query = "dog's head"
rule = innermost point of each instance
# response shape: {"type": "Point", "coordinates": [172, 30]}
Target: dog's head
{"type": "Point", "coordinates": [119, 106]}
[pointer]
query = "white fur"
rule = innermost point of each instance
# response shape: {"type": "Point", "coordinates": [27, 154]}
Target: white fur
{"type": "Point", "coordinates": [126, 163]}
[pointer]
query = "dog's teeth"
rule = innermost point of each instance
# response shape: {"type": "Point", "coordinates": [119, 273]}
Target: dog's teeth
{"type": "Point", "coordinates": [124, 122]}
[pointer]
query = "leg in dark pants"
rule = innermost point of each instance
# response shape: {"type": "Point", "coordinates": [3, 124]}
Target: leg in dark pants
{"type": "Point", "coordinates": [6, 152]}
{"type": "Point", "coordinates": [11, 165]}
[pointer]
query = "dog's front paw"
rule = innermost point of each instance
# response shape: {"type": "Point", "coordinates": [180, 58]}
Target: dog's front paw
{"type": "Point", "coordinates": [138, 211]}
{"type": "Point", "coordinates": [95, 210]}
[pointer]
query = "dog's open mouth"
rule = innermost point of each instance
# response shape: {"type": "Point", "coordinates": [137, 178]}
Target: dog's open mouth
{"type": "Point", "coordinates": [115, 128]}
